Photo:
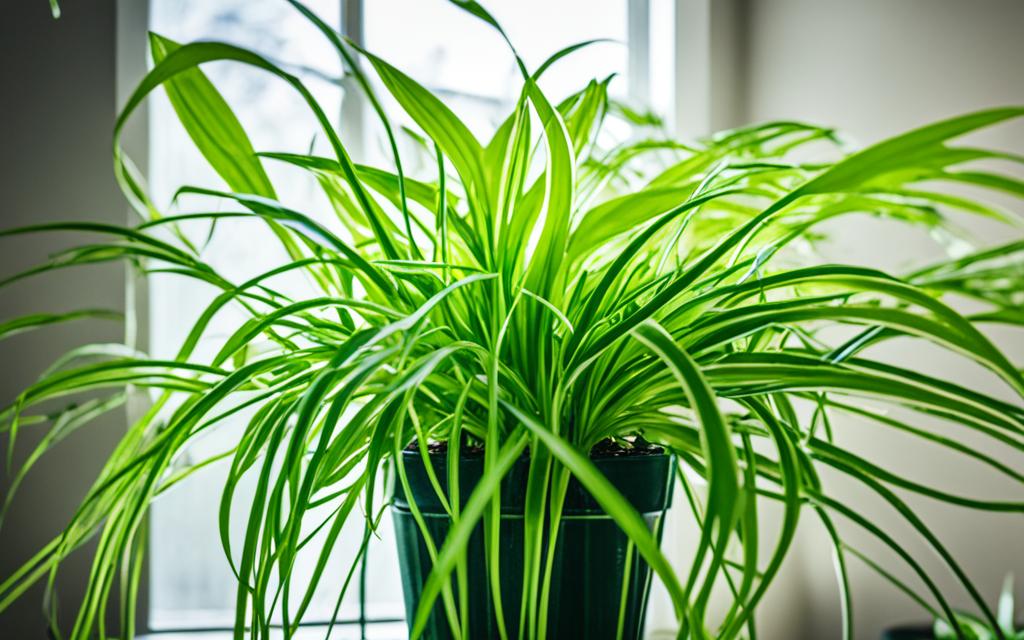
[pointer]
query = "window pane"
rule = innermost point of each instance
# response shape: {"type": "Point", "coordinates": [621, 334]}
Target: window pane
{"type": "Point", "coordinates": [452, 52]}
{"type": "Point", "coordinates": [191, 582]}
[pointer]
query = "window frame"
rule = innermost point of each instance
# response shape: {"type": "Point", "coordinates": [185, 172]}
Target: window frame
{"type": "Point", "coordinates": [688, 115]}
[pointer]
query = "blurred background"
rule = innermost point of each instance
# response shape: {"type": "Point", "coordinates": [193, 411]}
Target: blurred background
{"type": "Point", "coordinates": [870, 68]}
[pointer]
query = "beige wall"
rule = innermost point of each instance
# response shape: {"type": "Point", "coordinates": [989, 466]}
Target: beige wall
{"type": "Point", "coordinates": [873, 68]}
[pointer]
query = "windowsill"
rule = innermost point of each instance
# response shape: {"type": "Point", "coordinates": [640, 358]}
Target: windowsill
{"type": "Point", "coordinates": [374, 631]}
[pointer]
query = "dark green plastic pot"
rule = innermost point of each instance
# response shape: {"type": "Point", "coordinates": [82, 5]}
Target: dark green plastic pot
{"type": "Point", "coordinates": [916, 632]}
{"type": "Point", "coordinates": [590, 557]}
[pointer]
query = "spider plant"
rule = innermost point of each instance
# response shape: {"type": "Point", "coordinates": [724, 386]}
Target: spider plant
{"type": "Point", "coordinates": [971, 626]}
{"type": "Point", "coordinates": [543, 291]}
{"type": "Point", "coordinates": [979, 628]}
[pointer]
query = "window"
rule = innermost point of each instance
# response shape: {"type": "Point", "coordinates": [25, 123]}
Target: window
{"type": "Point", "coordinates": [475, 71]}
{"type": "Point", "coordinates": [191, 585]}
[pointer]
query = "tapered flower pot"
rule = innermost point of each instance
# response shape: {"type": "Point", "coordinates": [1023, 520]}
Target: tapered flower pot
{"type": "Point", "coordinates": [592, 558]}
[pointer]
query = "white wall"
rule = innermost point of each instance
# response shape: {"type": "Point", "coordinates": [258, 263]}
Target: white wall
{"type": "Point", "coordinates": [874, 68]}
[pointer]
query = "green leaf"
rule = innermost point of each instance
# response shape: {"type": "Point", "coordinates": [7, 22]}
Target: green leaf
{"type": "Point", "coordinates": [440, 124]}
{"type": "Point", "coordinates": [622, 214]}
{"type": "Point", "coordinates": [28, 323]}
{"type": "Point", "coordinates": [189, 57]}
{"type": "Point", "coordinates": [545, 275]}
{"type": "Point", "coordinates": [719, 454]}
{"type": "Point", "coordinates": [901, 151]}
{"type": "Point", "coordinates": [212, 125]}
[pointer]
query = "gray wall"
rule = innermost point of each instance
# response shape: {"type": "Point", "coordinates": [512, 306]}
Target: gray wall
{"type": "Point", "coordinates": [873, 68]}
{"type": "Point", "coordinates": [57, 80]}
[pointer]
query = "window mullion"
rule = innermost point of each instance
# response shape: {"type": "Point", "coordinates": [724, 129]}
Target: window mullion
{"type": "Point", "coordinates": [638, 75]}
{"type": "Point", "coordinates": [353, 103]}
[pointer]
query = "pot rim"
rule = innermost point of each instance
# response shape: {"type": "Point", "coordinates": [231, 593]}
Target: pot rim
{"type": "Point", "coordinates": [645, 481]}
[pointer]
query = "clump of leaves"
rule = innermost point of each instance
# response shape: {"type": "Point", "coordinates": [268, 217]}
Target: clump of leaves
{"type": "Point", "coordinates": [546, 289]}
{"type": "Point", "coordinates": [977, 629]}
